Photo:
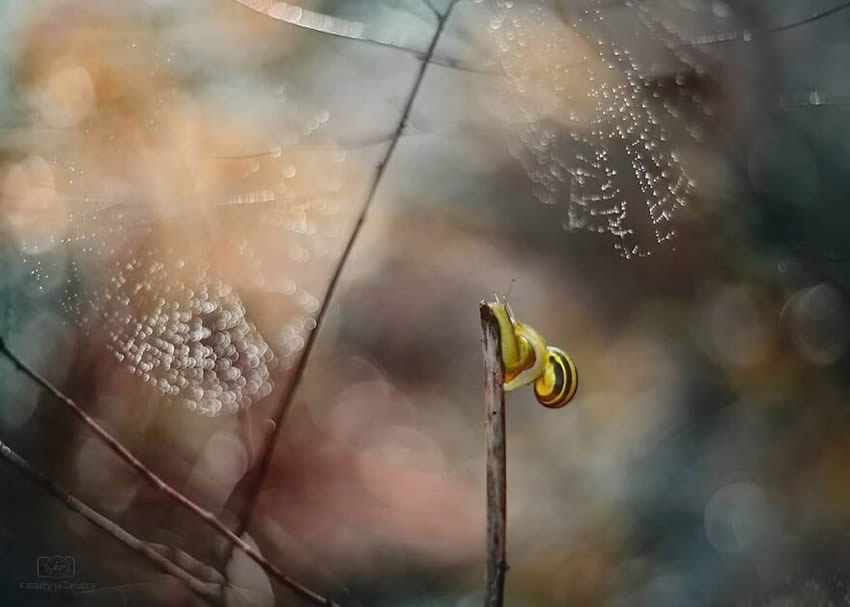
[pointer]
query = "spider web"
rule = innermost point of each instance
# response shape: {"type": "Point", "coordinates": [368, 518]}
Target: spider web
{"type": "Point", "coordinates": [586, 128]}
{"type": "Point", "coordinates": [172, 319]}
{"type": "Point", "coordinates": [165, 282]}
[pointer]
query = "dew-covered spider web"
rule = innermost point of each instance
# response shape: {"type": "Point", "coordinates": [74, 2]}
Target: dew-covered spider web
{"type": "Point", "coordinates": [589, 127]}
{"type": "Point", "coordinates": [173, 319]}
{"type": "Point", "coordinates": [152, 225]}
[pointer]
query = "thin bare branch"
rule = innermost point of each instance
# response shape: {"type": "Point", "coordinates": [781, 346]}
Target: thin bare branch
{"type": "Point", "coordinates": [205, 590]}
{"type": "Point", "coordinates": [326, 24]}
{"type": "Point", "coordinates": [745, 35]}
{"type": "Point", "coordinates": [433, 9]}
{"type": "Point", "coordinates": [428, 19]}
{"type": "Point", "coordinates": [350, 30]}
{"type": "Point", "coordinates": [199, 569]}
{"type": "Point", "coordinates": [209, 518]}
{"type": "Point", "coordinates": [749, 34]}
{"type": "Point", "coordinates": [463, 66]}
{"type": "Point", "coordinates": [298, 373]}
{"type": "Point", "coordinates": [494, 433]}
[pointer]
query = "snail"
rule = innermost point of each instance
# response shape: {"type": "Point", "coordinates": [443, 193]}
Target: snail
{"type": "Point", "coordinates": [527, 359]}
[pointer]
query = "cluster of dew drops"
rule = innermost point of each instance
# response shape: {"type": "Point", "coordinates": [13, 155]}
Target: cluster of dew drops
{"type": "Point", "coordinates": [175, 323]}
{"type": "Point", "coordinates": [622, 119]}
{"type": "Point", "coordinates": [187, 337]}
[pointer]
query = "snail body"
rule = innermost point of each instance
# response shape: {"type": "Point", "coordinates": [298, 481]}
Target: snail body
{"type": "Point", "coordinates": [527, 359]}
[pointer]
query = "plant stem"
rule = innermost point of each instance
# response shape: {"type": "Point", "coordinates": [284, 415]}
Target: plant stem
{"type": "Point", "coordinates": [208, 517]}
{"type": "Point", "coordinates": [265, 456]}
{"type": "Point", "coordinates": [205, 590]}
{"type": "Point", "coordinates": [494, 434]}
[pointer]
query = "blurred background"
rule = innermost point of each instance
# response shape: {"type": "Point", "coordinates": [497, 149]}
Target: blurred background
{"type": "Point", "coordinates": [664, 183]}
